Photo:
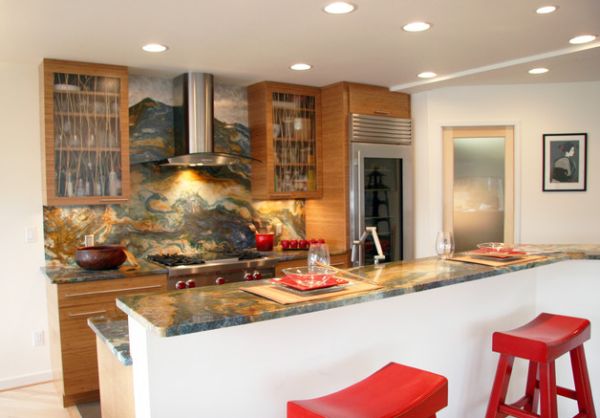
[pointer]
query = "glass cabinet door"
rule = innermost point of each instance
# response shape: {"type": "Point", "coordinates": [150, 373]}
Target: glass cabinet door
{"type": "Point", "coordinates": [87, 143]}
{"type": "Point", "coordinates": [294, 143]}
{"type": "Point", "coordinates": [86, 134]}
{"type": "Point", "coordinates": [383, 206]}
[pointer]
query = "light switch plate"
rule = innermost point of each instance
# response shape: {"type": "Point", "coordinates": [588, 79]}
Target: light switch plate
{"type": "Point", "coordinates": [31, 235]}
{"type": "Point", "coordinates": [38, 338]}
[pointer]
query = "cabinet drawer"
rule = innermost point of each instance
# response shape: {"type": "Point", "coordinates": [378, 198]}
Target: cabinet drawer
{"type": "Point", "coordinates": [74, 294]}
{"type": "Point", "coordinates": [78, 344]}
{"type": "Point", "coordinates": [378, 101]}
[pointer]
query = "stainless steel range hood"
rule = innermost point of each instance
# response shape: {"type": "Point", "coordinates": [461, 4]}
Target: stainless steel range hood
{"type": "Point", "coordinates": [194, 124]}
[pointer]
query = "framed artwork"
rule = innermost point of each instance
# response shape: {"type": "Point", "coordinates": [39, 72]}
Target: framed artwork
{"type": "Point", "coordinates": [565, 160]}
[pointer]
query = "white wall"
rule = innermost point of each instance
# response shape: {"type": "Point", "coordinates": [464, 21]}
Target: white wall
{"type": "Point", "coordinates": [22, 286]}
{"type": "Point", "coordinates": [542, 217]}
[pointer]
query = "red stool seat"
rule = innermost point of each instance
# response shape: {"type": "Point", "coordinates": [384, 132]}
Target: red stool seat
{"type": "Point", "coordinates": [395, 391]}
{"type": "Point", "coordinates": [542, 341]}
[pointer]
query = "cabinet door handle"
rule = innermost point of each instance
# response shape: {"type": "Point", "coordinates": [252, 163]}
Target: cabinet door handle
{"type": "Point", "coordinates": [382, 112]}
{"type": "Point", "coordinates": [114, 200]}
{"type": "Point", "coordinates": [104, 292]}
{"type": "Point", "coordinates": [78, 315]}
{"type": "Point", "coordinates": [337, 264]}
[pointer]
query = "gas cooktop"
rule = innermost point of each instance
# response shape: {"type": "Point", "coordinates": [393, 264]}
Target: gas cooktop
{"type": "Point", "coordinates": [174, 260]}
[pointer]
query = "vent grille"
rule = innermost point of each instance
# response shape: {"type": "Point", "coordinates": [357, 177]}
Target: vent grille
{"type": "Point", "coordinates": [380, 129]}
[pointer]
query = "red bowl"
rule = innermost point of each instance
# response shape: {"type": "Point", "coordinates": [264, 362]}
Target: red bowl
{"type": "Point", "coordinates": [101, 257]}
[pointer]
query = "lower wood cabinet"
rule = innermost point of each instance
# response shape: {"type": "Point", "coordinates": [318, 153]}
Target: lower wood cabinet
{"type": "Point", "coordinates": [116, 384]}
{"type": "Point", "coordinates": [339, 260]}
{"type": "Point", "coordinates": [72, 342]}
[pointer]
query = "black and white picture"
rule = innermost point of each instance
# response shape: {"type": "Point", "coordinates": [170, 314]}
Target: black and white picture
{"type": "Point", "coordinates": [564, 162]}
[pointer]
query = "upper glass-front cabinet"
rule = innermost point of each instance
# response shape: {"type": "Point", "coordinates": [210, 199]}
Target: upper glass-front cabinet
{"type": "Point", "coordinates": [86, 137]}
{"type": "Point", "coordinates": [285, 132]}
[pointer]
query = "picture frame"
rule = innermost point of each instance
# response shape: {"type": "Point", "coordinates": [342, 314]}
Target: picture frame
{"type": "Point", "coordinates": [564, 162]}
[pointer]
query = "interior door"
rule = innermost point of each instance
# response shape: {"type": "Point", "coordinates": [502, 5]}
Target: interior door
{"type": "Point", "coordinates": [479, 184]}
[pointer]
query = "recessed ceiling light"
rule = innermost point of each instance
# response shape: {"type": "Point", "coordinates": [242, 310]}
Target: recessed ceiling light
{"type": "Point", "coordinates": [339, 8]}
{"type": "Point", "coordinates": [155, 48]}
{"type": "Point", "coordinates": [544, 10]}
{"type": "Point", "coordinates": [540, 70]}
{"type": "Point", "coordinates": [427, 74]}
{"type": "Point", "coordinates": [416, 26]}
{"type": "Point", "coordinates": [300, 67]}
{"type": "Point", "coordinates": [582, 39]}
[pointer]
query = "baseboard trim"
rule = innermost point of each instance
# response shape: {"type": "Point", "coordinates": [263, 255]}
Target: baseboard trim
{"type": "Point", "coordinates": [25, 380]}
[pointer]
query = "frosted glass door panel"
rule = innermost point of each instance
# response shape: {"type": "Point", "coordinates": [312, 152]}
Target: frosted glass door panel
{"type": "Point", "coordinates": [479, 180]}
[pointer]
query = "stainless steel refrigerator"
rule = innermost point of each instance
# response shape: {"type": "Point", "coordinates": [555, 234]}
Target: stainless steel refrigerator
{"type": "Point", "coordinates": [381, 185]}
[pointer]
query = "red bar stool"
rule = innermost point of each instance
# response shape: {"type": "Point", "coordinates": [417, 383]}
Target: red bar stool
{"type": "Point", "coordinates": [542, 341]}
{"type": "Point", "coordinates": [395, 391]}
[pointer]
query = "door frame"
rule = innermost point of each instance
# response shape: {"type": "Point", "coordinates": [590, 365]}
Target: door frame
{"type": "Point", "coordinates": [509, 132]}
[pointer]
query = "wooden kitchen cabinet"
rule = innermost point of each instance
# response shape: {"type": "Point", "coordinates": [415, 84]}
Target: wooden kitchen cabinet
{"type": "Point", "coordinates": [378, 101]}
{"type": "Point", "coordinates": [72, 341]}
{"type": "Point", "coordinates": [85, 133]}
{"type": "Point", "coordinates": [285, 130]}
{"type": "Point", "coordinates": [329, 217]}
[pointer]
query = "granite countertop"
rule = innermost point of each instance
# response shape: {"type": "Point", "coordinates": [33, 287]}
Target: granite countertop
{"type": "Point", "coordinates": [201, 309]}
{"type": "Point", "coordinates": [115, 333]}
{"type": "Point", "coordinates": [74, 274]}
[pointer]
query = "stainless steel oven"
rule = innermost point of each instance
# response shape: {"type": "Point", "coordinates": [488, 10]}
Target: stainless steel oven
{"type": "Point", "coordinates": [381, 185]}
{"type": "Point", "coordinates": [185, 271]}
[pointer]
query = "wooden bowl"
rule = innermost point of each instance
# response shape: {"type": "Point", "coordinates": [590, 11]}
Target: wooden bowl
{"type": "Point", "coordinates": [101, 257]}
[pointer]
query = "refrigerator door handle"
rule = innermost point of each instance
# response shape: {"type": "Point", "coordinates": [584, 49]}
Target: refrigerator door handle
{"type": "Point", "coordinates": [360, 206]}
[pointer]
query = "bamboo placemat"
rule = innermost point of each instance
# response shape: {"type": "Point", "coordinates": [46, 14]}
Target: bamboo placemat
{"type": "Point", "coordinates": [496, 263]}
{"type": "Point", "coordinates": [285, 297]}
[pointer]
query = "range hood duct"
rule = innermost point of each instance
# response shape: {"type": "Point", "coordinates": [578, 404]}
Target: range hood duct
{"type": "Point", "coordinates": [194, 134]}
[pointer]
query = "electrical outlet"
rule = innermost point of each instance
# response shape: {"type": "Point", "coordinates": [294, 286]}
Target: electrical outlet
{"type": "Point", "coordinates": [31, 235]}
{"type": "Point", "coordinates": [38, 338]}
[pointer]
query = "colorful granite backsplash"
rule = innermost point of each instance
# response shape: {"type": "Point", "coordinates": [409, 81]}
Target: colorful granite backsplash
{"type": "Point", "coordinates": [172, 209]}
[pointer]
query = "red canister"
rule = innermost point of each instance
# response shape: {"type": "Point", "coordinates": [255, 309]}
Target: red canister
{"type": "Point", "coordinates": [264, 241]}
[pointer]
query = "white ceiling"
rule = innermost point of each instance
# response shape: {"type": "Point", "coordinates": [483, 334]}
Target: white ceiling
{"type": "Point", "coordinates": [245, 41]}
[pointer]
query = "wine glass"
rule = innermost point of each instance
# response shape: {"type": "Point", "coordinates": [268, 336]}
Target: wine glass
{"type": "Point", "coordinates": [318, 253]}
{"type": "Point", "coordinates": [444, 244]}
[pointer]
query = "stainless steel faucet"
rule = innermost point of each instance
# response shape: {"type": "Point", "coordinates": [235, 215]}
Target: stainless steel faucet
{"type": "Point", "coordinates": [358, 258]}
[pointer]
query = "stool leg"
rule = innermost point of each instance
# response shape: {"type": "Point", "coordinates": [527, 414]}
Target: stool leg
{"type": "Point", "coordinates": [500, 386]}
{"type": "Point", "coordinates": [532, 396]}
{"type": "Point", "coordinates": [582, 382]}
{"type": "Point", "coordinates": [548, 405]}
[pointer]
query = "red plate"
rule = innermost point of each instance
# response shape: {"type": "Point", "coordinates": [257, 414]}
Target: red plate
{"type": "Point", "coordinates": [318, 281]}
{"type": "Point", "coordinates": [501, 253]}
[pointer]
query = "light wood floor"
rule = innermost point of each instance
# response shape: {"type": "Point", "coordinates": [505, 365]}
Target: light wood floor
{"type": "Point", "coordinates": [35, 401]}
